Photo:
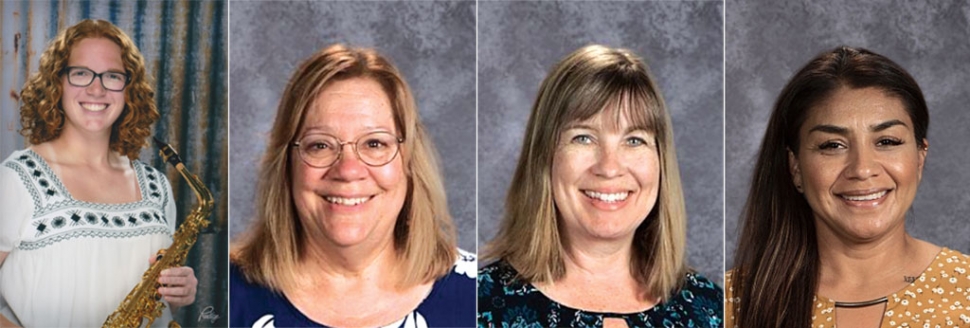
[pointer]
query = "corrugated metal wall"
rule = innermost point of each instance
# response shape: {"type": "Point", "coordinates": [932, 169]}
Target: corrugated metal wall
{"type": "Point", "coordinates": [184, 44]}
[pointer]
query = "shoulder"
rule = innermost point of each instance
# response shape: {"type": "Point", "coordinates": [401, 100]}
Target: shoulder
{"type": "Point", "coordinates": [15, 166]}
{"type": "Point", "coordinates": [18, 155]}
{"type": "Point", "coordinates": [953, 267]}
{"type": "Point", "coordinates": [452, 299]}
{"type": "Point", "coordinates": [466, 264]}
{"type": "Point", "coordinates": [23, 181]}
{"type": "Point", "coordinates": [242, 289]}
{"type": "Point", "coordinates": [699, 303]}
{"type": "Point", "coordinates": [696, 284]}
{"type": "Point", "coordinates": [154, 182]}
{"type": "Point", "coordinates": [19, 198]}
{"type": "Point", "coordinates": [496, 276]}
{"type": "Point", "coordinates": [462, 274]}
{"type": "Point", "coordinates": [253, 304]}
{"type": "Point", "coordinates": [20, 162]}
{"type": "Point", "coordinates": [151, 174]}
{"type": "Point", "coordinates": [954, 256]}
{"type": "Point", "coordinates": [504, 297]}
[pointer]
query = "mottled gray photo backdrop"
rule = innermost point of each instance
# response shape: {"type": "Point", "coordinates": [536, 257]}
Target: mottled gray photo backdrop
{"type": "Point", "coordinates": [767, 41]}
{"type": "Point", "coordinates": [519, 42]}
{"type": "Point", "coordinates": [431, 43]}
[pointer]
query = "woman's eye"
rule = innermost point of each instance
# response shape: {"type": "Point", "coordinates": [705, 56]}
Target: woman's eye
{"type": "Point", "coordinates": [635, 142]}
{"type": "Point", "coordinates": [375, 144]}
{"type": "Point", "coordinates": [116, 77]}
{"type": "Point", "coordinates": [317, 148]}
{"type": "Point", "coordinates": [582, 139]}
{"type": "Point", "coordinates": [830, 145]}
{"type": "Point", "coordinates": [889, 142]}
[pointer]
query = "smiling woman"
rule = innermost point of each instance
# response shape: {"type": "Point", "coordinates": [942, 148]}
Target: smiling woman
{"type": "Point", "coordinates": [857, 164]}
{"type": "Point", "coordinates": [352, 226]}
{"type": "Point", "coordinates": [80, 215]}
{"type": "Point", "coordinates": [824, 240]}
{"type": "Point", "coordinates": [594, 231]}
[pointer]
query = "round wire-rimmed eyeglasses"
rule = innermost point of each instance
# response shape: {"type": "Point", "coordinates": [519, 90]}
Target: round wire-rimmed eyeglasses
{"type": "Point", "coordinates": [83, 77]}
{"type": "Point", "coordinates": [323, 150]}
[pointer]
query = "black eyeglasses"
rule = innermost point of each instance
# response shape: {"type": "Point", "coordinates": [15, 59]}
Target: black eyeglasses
{"type": "Point", "coordinates": [324, 150]}
{"type": "Point", "coordinates": [82, 77]}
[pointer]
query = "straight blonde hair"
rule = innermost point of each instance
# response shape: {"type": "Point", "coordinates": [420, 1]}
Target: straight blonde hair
{"type": "Point", "coordinates": [583, 84]}
{"type": "Point", "coordinates": [424, 235]}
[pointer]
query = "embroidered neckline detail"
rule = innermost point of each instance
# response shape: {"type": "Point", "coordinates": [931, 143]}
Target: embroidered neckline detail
{"type": "Point", "coordinates": [57, 216]}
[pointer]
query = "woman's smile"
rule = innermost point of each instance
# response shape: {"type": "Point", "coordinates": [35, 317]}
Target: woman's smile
{"type": "Point", "coordinates": [859, 163]}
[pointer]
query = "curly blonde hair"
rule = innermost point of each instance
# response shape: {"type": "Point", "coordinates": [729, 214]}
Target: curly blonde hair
{"type": "Point", "coordinates": [41, 111]}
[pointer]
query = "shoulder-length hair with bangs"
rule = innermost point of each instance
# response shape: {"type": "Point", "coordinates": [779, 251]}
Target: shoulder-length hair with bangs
{"type": "Point", "coordinates": [423, 234]}
{"type": "Point", "coordinates": [588, 81]}
{"type": "Point", "coordinates": [41, 111]}
{"type": "Point", "coordinates": [777, 261]}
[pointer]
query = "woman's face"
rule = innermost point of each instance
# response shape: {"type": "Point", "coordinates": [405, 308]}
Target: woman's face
{"type": "Point", "coordinates": [349, 202]}
{"type": "Point", "coordinates": [605, 177]}
{"type": "Point", "coordinates": [859, 164]}
{"type": "Point", "coordinates": [93, 109]}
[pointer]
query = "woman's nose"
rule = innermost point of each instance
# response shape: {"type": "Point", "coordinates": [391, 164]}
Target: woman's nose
{"type": "Point", "coordinates": [863, 164]}
{"type": "Point", "coordinates": [608, 163]}
{"type": "Point", "coordinates": [348, 166]}
{"type": "Point", "coordinates": [96, 87]}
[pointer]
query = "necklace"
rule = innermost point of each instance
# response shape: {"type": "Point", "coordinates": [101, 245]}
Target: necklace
{"type": "Point", "coordinates": [861, 304]}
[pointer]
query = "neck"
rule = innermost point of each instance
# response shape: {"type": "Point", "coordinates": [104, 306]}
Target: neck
{"type": "Point", "coordinates": [79, 148]}
{"type": "Point", "coordinates": [602, 264]}
{"type": "Point", "coordinates": [327, 263]}
{"type": "Point", "coordinates": [592, 261]}
{"type": "Point", "coordinates": [857, 262]}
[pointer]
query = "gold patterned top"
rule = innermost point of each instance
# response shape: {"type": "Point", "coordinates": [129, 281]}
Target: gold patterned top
{"type": "Point", "coordinates": [939, 297]}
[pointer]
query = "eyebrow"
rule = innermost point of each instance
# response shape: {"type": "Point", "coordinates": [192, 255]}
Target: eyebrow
{"type": "Point", "coordinates": [629, 129]}
{"type": "Point", "coordinates": [833, 129]}
{"type": "Point", "coordinates": [327, 129]}
{"type": "Point", "coordinates": [123, 71]}
{"type": "Point", "coordinates": [886, 125]}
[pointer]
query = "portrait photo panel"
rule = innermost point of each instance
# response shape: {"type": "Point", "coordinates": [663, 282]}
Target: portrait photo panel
{"type": "Point", "coordinates": [768, 41]}
{"type": "Point", "coordinates": [432, 43]}
{"type": "Point", "coordinates": [680, 42]}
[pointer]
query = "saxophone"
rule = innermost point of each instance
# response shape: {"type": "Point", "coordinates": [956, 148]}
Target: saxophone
{"type": "Point", "coordinates": [144, 302]}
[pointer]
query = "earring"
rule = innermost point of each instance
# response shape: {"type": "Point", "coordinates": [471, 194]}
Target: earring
{"type": "Point", "coordinates": [799, 187]}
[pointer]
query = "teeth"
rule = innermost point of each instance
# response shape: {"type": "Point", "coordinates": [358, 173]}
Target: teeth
{"type": "Point", "coordinates": [609, 198]}
{"type": "Point", "coordinates": [865, 197]}
{"type": "Point", "coordinates": [95, 107]}
{"type": "Point", "coordinates": [347, 201]}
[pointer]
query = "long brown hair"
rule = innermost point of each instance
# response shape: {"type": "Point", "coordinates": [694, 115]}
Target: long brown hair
{"type": "Point", "coordinates": [777, 262]}
{"type": "Point", "coordinates": [423, 234]}
{"type": "Point", "coordinates": [41, 111]}
{"type": "Point", "coordinates": [580, 86]}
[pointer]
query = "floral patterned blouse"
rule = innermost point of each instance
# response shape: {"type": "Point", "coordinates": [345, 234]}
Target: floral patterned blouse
{"type": "Point", "coordinates": [939, 297]}
{"type": "Point", "coordinates": [505, 301]}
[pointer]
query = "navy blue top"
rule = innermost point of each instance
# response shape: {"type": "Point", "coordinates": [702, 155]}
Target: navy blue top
{"type": "Point", "coordinates": [506, 301]}
{"type": "Point", "coordinates": [451, 302]}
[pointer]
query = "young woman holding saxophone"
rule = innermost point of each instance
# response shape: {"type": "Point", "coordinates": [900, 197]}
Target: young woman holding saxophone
{"type": "Point", "coordinates": [80, 217]}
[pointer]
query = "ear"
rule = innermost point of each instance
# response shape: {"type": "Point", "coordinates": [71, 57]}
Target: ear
{"type": "Point", "coordinates": [796, 172]}
{"type": "Point", "coordinates": [922, 156]}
